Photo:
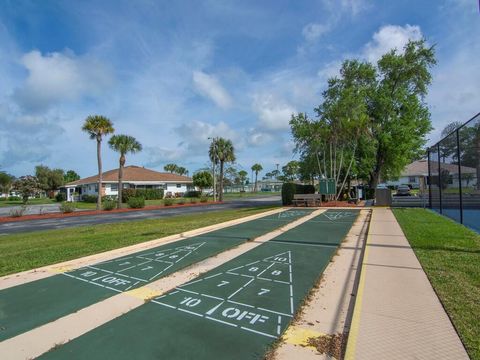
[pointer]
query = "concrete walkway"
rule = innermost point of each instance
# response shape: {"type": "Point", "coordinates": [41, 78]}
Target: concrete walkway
{"type": "Point", "coordinates": [397, 313]}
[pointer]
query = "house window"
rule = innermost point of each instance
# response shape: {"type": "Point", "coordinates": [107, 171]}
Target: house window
{"type": "Point", "coordinates": [114, 187]}
{"type": "Point", "coordinates": [412, 179]}
{"type": "Point", "coordinates": [179, 185]}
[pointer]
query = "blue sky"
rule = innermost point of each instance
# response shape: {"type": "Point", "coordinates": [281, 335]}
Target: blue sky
{"type": "Point", "coordinates": [173, 73]}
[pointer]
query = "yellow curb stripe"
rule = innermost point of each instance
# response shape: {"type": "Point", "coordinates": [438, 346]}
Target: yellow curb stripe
{"type": "Point", "coordinates": [60, 269]}
{"type": "Point", "coordinates": [299, 336]}
{"type": "Point", "coordinates": [355, 325]}
{"type": "Point", "coordinates": [143, 293]}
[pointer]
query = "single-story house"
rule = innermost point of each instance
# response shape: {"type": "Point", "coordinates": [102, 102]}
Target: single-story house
{"type": "Point", "coordinates": [134, 177]}
{"type": "Point", "coordinates": [416, 174]}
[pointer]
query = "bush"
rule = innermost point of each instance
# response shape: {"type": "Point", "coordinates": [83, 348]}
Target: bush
{"type": "Point", "coordinates": [14, 198]}
{"type": "Point", "coordinates": [288, 190]}
{"type": "Point", "coordinates": [193, 194]}
{"type": "Point", "coordinates": [89, 198]}
{"type": "Point", "coordinates": [18, 212]}
{"type": "Point", "coordinates": [136, 202]}
{"type": "Point", "coordinates": [109, 204]}
{"type": "Point", "coordinates": [67, 207]}
{"type": "Point", "coordinates": [181, 202]}
{"type": "Point", "coordinates": [204, 199]}
{"type": "Point", "coordinates": [147, 194]}
{"type": "Point", "coordinates": [168, 202]}
{"type": "Point", "coordinates": [60, 197]}
{"type": "Point", "coordinates": [109, 198]}
{"type": "Point", "coordinates": [193, 200]}
{"type": "Point", "coordinates": [3, 199]}
{"type": "Point", "coordinates": [127, 194]}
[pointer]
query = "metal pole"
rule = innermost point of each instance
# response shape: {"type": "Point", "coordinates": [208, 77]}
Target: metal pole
{"type": "Point", "coordinates": [439, 179]}
{"type": "Point", "coordinates": [459, 177]}
{"type": "Point", "coordinates": [429, 181]}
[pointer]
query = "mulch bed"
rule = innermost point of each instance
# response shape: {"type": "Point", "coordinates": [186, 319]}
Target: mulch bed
{"type": "Point", "coordinates": [5, 219]}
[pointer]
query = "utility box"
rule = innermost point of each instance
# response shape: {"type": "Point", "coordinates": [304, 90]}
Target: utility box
{"type": "Point", "coordinates": [383, 197]}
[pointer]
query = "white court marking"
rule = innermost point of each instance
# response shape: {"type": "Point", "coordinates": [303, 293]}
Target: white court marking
{"type": "Point", "coordinates": [124, 273]}
{"type": "Point", "coordinates": [256, 297]}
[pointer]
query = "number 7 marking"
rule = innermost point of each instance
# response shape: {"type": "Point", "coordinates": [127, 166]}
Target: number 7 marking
{"type": "Point", "coordinates": [223, 282]}
{"type": "Point", "coordinates": [263, 291]}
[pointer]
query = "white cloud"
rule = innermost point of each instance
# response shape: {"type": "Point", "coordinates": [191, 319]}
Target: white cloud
{"type": "Point", "coordinates": [273, 114]}
{"type": "Point", "coordinates": [256, 137]}
{"type": "Point", "coordinates": [314, 31]}
{"type": "Point", "coordinates": [57, 77]}
{"type": "Point", "coordinates": [390, 37]}
{"type": "Point", "coordinates": [209, 86]}
{"type": "Point", "coordinates": [352, 7]}
{"type": "Point", "coordinates": [160, 156]}
{"type": "Point", "coordinates": [196, 135]}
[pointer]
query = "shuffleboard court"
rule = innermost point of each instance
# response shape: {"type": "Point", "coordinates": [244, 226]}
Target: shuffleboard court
{"type": "Point", "coordinates": [27, 306]}
{"type": "Point", "coordinates": [235, 311]}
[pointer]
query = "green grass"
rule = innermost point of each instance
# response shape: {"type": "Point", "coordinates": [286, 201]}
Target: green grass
{"type": "Point", "coordinates": [5, 203]}
{"type": "Point", "coordinates": [245, 195]}
{"type": "Point", "coordinates": [450, 255]}
{"type": "Point", "coordinates": [26, 251]}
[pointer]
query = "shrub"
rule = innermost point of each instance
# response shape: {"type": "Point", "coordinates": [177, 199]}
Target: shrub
{"type": "Point", "coordinates": [204, 199]}
{"type": "Point", "coordinates": [89, 198]}
{"type": "Point", "coordinates": [136, 202]}
{"type": "Point", "coordinates": [60, 197]}
{"type": "Point", "coordinates": [193, 194]}
{"type": "Point", "coordinates": [308, 189]}
{"type": "Point", "coordinates": [67, 207]}
{"type": "Point", "coordinates": [109, 204]}
{"type": "Point", "coordinates": [18, 212]}
{"type": "Point", "coordinates": [181, 202]}
{"type": "Point", "coordinates": [193, 200]}
{"type": "Point", "coordinates": [109, 198]}
{"type": "Point", "coordinates": [288, 190]}
{"type": "Point", "coordinates": [147, 194]}
{"type": "Point", "coordinates": [127, 194]}
{"type": "Point", "coordinates": [3, 199]}
{"type": "Point", "coordinates": [14, 198]}
{"type": "Point", "coordinates": [168, 202]}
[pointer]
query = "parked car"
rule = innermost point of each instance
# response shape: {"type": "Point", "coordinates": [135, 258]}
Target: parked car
{"type": "Point", "coordinates": [403, 190]}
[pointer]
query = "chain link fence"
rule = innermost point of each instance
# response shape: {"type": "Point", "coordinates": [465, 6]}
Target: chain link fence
{"type": "Point", "coordinates": [454, 174]}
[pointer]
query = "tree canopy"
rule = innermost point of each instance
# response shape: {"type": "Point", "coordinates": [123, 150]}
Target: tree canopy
{"type": "Point", "coordinates": [372, 121]}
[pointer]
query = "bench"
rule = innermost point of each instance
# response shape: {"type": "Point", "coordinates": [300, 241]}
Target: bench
{"type": "Point", "coordinates": [307, 199]}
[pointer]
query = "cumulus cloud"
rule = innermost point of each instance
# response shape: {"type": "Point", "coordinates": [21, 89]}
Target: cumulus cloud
{"type": "Point", "coordinates": [390, 37]}
{"type": "Point", "coordinates": [273, 113]}
{"type": "Point", "coordinates": [28, 139]}
{"type": "Point", "coordinates": [209, 86]}
{"type": "Point", "coordinates": [56, 77]}
{"type": "Point", "coordinates": [160, 156]}
{"type": "Point", "coordinates": [195, 135]}
{"type": "Point", "coordinates": [314, 31]}
{"type": "Point", "coordinates": [352, 7]}
{"type": "Point", "coordinates": [256, 137]}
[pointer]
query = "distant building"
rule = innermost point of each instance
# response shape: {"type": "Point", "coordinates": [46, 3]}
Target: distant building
{"type": "Point", "coordinates": [416, 174]}
{"type": "Point", "coordinates": [134, 177]}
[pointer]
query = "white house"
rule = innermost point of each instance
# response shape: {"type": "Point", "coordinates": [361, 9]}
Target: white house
{"type": "Point", "coordinates": [135, 177]}
{"type": "Point", "coordinates": [416, 174]}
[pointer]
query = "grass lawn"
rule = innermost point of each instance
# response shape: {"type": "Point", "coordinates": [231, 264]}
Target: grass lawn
{"type": "Point", "coordinates": [450, 255]}
{"type": "Point", "coordinates": [26, 251]}
{"type": "Point", "coordinates": [5, 203]}
{"type": "Point", "coordinates": [245, 195]}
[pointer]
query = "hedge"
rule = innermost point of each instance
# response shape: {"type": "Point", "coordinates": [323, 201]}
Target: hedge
{"type": "Point", "coordinates": [147, 194]}
{"type": "Point", "coordinates": [290, 189]}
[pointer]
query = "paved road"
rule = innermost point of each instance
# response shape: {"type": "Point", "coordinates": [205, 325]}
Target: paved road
{"type": "Point", "coordinates": [31, 209]}
{"type": "Point", "coordinates": [49, 224]}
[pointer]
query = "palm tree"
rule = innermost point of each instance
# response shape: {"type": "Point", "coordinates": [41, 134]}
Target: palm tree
{"type": "Point", "coordinates": [242, 175]}
{"type": "Point", "coordinates": [221, 151]}
{"type": "Point", "coordinates": [123, 144]}
{"type": "Point", "coordinates": [257, 168]}
{"type": "Point", "coordinates": [97, 127]}
{"type": "Point", "coordinates": [171, 168]}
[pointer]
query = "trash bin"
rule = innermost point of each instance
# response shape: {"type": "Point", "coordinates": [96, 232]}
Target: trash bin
{"type": "Point", "coordinates": [383, 197]}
